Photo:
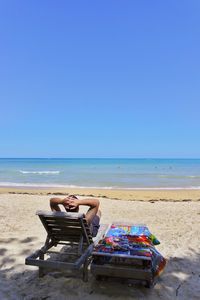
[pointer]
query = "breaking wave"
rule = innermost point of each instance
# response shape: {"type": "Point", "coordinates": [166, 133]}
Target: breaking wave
{"type": "Point", "coordinates": [40, 172]}
{"type": "Point", "coordinates": [50, 185]}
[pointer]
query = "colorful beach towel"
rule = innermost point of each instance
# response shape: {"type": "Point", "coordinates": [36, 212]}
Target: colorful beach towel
{"type": "Point", "coordinates": [135, 240]}
{"type": "Point", "coordinates": [132, 230]}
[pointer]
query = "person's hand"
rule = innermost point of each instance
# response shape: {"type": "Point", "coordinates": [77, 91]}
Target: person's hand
{"type": "Point", "coordinates": [65, 203]}
{"type": "Point", "coordinates": [70, 203]}
{"type": "Point", "coordinates": [73, 203]}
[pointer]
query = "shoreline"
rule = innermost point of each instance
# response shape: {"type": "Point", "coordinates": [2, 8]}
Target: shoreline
{"type": "Point", "coordinates": [117, 194]}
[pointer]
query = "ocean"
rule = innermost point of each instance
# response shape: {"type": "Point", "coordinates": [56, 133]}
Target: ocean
{"type": "Point", "coordinates": [100, 173]}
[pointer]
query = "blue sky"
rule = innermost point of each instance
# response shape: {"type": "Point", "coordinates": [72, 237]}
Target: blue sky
{"type": "Point", "coordinates": [100, 78]}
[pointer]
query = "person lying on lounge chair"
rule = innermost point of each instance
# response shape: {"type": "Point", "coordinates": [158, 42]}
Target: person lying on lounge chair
{"type": "Point", "coordinates": [72, 203]}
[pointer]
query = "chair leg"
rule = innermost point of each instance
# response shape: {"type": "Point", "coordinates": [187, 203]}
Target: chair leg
{"type": "Point", "coordinates": [41, 270]}
{"type": "Point", "coordinates": [85, 269]}
{"type": "Point", "coordinates": [149, 283]}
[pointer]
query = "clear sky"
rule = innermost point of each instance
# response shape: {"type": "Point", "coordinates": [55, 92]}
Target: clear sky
{"type": "Point", "coordinates": [102, 78]}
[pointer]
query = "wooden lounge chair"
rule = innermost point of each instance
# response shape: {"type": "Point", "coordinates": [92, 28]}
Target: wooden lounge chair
{"type": "Point", "coordinates": [70, 229]}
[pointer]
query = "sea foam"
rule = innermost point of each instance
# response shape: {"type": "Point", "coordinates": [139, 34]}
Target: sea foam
{"type": "Point", "coordinates": [40, 172]}
{"type": "Point", "coordinates": [49, 185]}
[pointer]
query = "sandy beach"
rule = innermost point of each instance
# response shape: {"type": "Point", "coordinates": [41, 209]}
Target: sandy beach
{"type": "Point", "coordinates": [172, 215]}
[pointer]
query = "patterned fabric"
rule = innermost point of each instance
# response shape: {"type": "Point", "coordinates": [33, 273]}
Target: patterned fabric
{"type": "Point", "coordinates": [135, 230]}
{"type": "Point", "coordinates": [132, 241]}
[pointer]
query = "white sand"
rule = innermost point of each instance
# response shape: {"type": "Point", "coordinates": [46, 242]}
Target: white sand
{"type": "Point", "coordinates": [176, 225]}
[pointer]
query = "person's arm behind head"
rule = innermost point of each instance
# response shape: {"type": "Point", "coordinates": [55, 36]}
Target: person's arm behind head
{"type": "Point", "coordinates": [93, 207]}
{"type": "Point", "coordinates": [54, 204]}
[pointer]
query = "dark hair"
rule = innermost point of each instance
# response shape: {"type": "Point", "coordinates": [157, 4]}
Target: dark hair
{"type": "Point", "coordinates": [73, 196]}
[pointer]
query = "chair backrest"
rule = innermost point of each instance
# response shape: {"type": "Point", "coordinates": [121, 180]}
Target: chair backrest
{"type": "Point", "coordinates": [64, 226]}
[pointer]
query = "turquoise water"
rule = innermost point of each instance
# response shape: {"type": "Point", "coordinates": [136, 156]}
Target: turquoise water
{"type": "Point", "coordinates": [101, 173]}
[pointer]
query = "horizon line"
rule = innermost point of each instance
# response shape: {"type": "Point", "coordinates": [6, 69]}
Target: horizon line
{"type": "Point", "coordinates": [99, 157]}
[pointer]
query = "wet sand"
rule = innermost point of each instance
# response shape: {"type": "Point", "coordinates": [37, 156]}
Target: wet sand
{"type": "Point", "coordinates": [142, 195]}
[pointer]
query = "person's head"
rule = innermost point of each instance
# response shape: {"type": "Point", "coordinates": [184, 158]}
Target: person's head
{"type": "Point", "coordinates": [69, 209]}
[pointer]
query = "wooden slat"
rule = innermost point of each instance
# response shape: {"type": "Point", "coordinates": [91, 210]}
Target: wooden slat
{"type": "Point", "coordinates": [120, 255]}
{"type": "Point", "coordinates": [64, 237]}
{"type": "Point", "coordinates": [63, 225]}
{"type": "Point", "coordinates": [121, 271]}
{"type": "Point", "coordinates": [59, 214]}
{"type": "Point", "coordinates": [62, 254]}
{"type": "Point", "coordinates": [56, 225]}
{"type": "Point", "coordinates": [51, 264]}
{"type": "Point", "coordinates": [61, 221]}
{"type": "Point", "coordinates": [66, 230]}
